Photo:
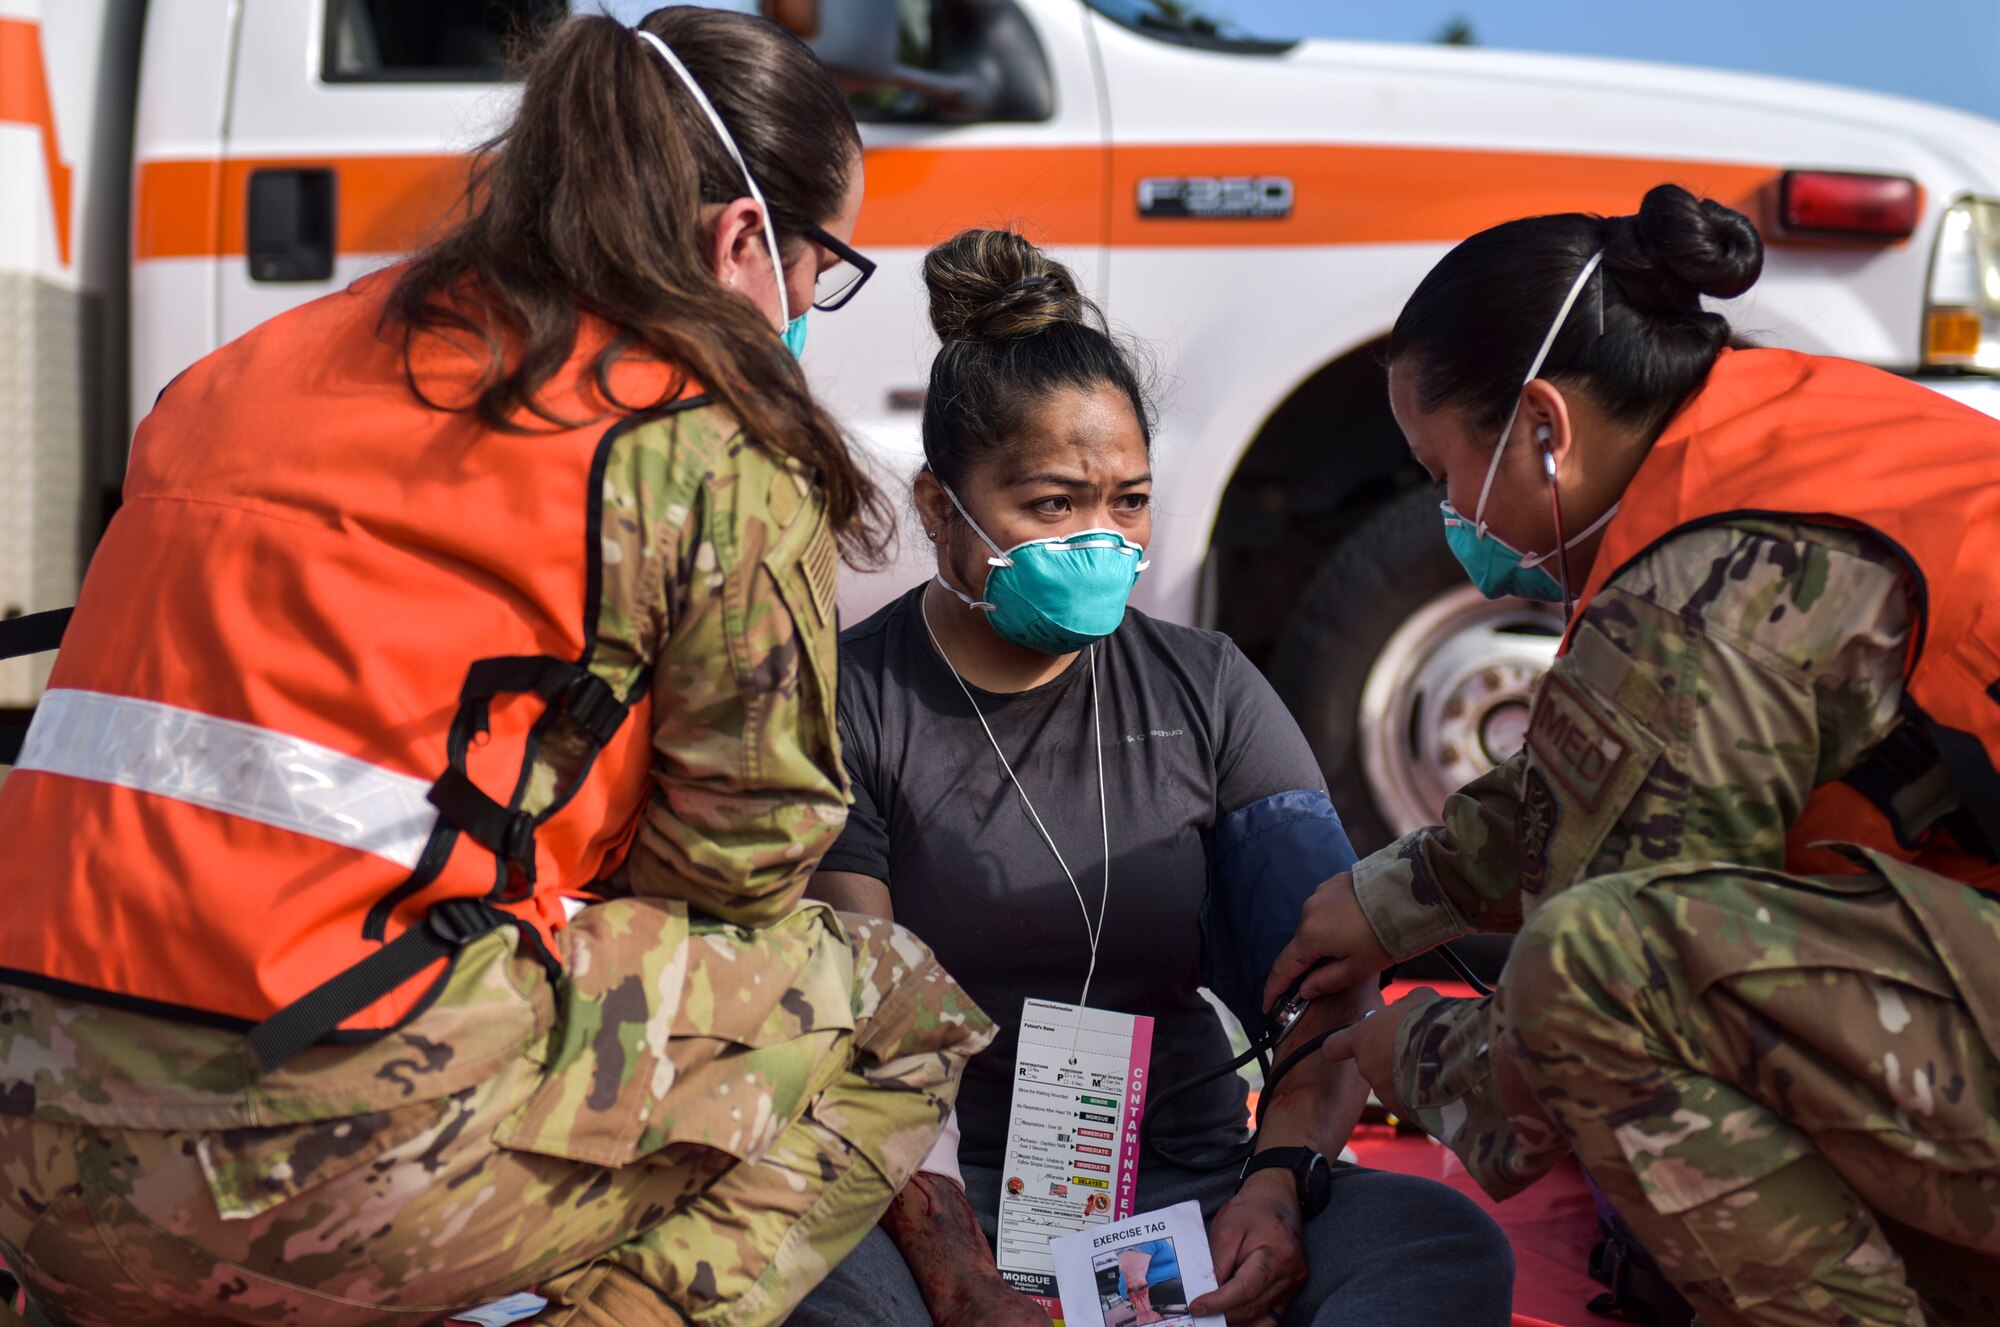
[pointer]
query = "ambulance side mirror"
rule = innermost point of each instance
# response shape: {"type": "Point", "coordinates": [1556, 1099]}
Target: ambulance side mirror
{"type": "Point", "coordinates": [984, 60]}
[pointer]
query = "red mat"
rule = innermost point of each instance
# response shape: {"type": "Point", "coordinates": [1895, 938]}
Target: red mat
{"type": "Point", "coordinates": [1552, 1225]}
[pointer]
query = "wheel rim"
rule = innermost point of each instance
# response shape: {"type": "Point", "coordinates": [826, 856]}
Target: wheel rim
{"type": "Point", "coordinates": [1447, 699]}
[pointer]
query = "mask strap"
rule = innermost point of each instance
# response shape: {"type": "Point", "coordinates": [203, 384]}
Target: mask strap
{"type": "Point", "coordinates": [1539, 558]}
{"type": "Point", "coordinates": [1534, 369]}
{"type": "Point", "coordinates": [999, 559]}
{"type": "Point", "coordinates": [983, 605]}
{"type": "Point", "coordinates": [729, 146]}
{"type": "Point", "coordinates": [980, 604]}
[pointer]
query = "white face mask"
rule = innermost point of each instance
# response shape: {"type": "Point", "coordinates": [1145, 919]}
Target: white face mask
{"type": "Point", "coordinates": [793, 327]}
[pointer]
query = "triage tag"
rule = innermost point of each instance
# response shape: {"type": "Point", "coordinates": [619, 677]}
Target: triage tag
{"type": "Point", "coordinates": [1072, 1134]}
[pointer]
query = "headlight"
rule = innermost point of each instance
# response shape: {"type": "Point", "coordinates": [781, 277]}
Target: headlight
{"type": "Point", "coordinates": [1962, 312]}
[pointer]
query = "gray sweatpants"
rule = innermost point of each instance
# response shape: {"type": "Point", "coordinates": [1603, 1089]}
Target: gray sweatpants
{"type": "Point", "coordinates": [1389, 1251]}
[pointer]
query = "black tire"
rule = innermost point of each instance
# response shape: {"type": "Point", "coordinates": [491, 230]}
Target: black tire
{"type": "Point", "coordinates": [1392, 562]}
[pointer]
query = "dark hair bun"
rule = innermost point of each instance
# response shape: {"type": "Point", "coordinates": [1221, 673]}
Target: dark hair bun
{"type": "Point", "coordinates": [1679, 248]}
{"type": "Point", "coordinates": [992, 285]}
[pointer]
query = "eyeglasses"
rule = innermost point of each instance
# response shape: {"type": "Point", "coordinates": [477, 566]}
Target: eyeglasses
{"type": "Point", "coordinates": [843, 281]}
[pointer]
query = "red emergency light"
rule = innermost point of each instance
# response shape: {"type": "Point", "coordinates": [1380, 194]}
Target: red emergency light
{"type": "Point", "coordinates": [1848, 204]}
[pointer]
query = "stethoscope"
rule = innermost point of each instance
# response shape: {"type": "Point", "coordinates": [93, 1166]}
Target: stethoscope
{"type": "Point", "coordinates": [1278, 1023]}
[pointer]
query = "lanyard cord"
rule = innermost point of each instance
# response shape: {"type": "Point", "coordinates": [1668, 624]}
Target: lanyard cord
{"type": "Point", "coordinates": [1094, 931]}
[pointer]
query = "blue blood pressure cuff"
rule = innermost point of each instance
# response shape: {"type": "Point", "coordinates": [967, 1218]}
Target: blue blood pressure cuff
{"type": "Point", "coordinates": [1264, 861]}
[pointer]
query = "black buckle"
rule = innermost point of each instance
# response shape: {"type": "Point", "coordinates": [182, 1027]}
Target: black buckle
{"type": "Point", "coordinates": [1609, 1305]}
{"type": "Point", "coordinates": [517, 848]}
{"type": "Point", "coordinates": [459, 921]}
{"type": "Point", "coordinates": [508, 834]}
{"type": "Point", "coordinates": [570, 689]}
{"type": "Point", "coordinates": [590, 703]}
{"type": "Point", "coordinates": [1611, 1264]}
{"type": "Point", "coordinates": [1607, 1263]}
{"type": "Point", "coordinates": [517, 840]}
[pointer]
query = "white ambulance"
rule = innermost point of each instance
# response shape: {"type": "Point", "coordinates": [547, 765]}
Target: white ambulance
{"type": "Point", "coordinates": [1255, 210]}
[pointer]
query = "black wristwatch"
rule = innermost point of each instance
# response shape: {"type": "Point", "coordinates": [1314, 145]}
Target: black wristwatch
{"type": "Point", "coordinates": [1309, 1171]}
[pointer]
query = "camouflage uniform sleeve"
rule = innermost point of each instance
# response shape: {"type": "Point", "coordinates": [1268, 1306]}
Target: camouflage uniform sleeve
{"type": "Point", "coordinates": [720, 574]}
{"type": "Point", "coordinates": [1707, 691]}
{"type": "Point", "coordinates": [1453, 879]}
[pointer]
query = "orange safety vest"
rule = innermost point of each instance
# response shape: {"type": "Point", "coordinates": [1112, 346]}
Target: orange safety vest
{"type": "Point", "coordinates": [1782, 435]}
{"type": "Point", "coordinates": [276, 777]}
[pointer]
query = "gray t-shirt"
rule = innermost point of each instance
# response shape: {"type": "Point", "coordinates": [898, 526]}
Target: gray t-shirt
{"type": "Point", "coordinates": [1192, 732]}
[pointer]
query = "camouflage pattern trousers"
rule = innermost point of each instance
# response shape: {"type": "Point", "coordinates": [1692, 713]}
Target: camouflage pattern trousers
{"type": "Point", "coordinates": [410, 1214]}
{"type": "Point", "coordinates": [1788, 1086]}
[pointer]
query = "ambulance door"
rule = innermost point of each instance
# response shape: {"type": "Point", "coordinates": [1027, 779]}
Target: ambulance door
{"type": "Point", "coordinates": [177, 149]}
{"type": "Point", "coordinates": [973, 113]}
{"type": "Point", "coordinates": [66, 74]}
{"type": "Point", "coordinates": [1210, 265]}
{"type": "Point", "coordinates": [346, 137]}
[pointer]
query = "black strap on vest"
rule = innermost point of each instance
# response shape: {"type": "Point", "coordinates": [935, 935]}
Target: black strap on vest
{"type": "Point", "coordinates": [448, 927]}
{"type": "Point", "coordinates": [33, 633]}
{"type": "Point", "coordinates": [506, 833]}
{"type": "Point", "coordinates": [572, 692]}
{"type": "Point", "coordinates": [1911, 751]}
{"type": "Point", "coordinates": [13, 736]}
{"type": "Point", "coordinates": [1972, 773]}
{"type": "Point", "coordinates": [1897, 761]}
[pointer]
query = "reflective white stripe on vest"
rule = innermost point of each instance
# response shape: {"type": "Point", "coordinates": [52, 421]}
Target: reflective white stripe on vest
{"type": "Point", "coordinates": [237, 768]}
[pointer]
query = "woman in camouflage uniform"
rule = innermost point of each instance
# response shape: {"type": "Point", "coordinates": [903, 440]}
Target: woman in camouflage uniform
{"type": "Point", "coordinates": [1776, 1056]}
{"type": "Point", "coordinates": [708, 1091]}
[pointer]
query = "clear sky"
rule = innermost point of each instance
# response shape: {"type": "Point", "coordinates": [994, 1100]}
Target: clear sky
{"type": "Point", "coordinates": [1937, 50]}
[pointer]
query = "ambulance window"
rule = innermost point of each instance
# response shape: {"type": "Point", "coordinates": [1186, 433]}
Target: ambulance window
{"type": "Point", "coordinates": [436, 41]}
{"type": "Point", "coordinates": [952, 61]}
{"type": "Point", "coordinates": [1187, 23]}
{"type": "Point", "coordinates": [915, 49]}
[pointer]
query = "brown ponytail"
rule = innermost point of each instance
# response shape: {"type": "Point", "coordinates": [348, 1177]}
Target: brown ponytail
{"type": "Point", "coordinates": [589, 204]}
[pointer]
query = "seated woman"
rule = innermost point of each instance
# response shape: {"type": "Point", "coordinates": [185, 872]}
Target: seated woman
{"type": "Point", "coordinates": [1071, 801]}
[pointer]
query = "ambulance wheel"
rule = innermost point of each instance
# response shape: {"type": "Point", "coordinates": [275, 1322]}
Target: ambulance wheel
{"type": "Point", "coordinates": [1407, 682]}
